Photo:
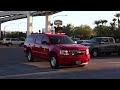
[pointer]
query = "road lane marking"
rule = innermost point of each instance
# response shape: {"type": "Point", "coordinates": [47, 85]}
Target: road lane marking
{"type": "Point", "coordinates": [39, 64]}
{"type": "Point", "coordinates": [28, 74]}
{"type": "Point", "coordinates": [114, 62]}
{"type": "Point", "coordinates": [38, 73]}
{"type": "Point", "coordinates": [47, 72]}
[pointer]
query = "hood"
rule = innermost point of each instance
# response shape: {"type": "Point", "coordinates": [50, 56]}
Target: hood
{"type": "Point", "coordinates": [88, 44]}
{"type": "Point", "coordinates": [71, 46]}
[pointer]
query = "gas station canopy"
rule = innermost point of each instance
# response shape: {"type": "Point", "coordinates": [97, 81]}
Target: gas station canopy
{"type": "Point", "coordinates": [14, 15]}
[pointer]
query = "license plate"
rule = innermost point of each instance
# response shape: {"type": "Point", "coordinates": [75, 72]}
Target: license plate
{"type": "Point", "coordinates": [78, 62]}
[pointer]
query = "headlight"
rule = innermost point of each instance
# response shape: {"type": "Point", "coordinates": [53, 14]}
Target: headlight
{"type": "Point", "coordinates": [87, 51]}
{"type": "Point", "coordinates": [64, 52]}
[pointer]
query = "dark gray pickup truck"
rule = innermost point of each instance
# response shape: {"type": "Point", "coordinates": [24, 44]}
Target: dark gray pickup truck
{"type": "Point", "coordinates": [102, 45]}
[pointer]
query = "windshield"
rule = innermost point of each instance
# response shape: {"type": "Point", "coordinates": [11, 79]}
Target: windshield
{"type": "Point", "coordinates": [95, 40]}
{"type": "Point", "coordinates": [61, 40]}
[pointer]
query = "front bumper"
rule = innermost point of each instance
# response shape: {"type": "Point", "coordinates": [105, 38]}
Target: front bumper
{"type": "Point", "coordinates": [74, 60]}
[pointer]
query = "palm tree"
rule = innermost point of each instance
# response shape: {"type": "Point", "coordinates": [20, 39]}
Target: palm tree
{"type": "Point", "coordinates": [97, 23]}
{"type": "Point", "coordinates": [102, 21]}
{"type": "Point", "coordinates": [112, 24]}
{"type": "Point", "coordinates": [114, 20]}
{"type": "Point", "coordinates": [105, 21]}
{"type": "Point", "coordinates": [118, 15]}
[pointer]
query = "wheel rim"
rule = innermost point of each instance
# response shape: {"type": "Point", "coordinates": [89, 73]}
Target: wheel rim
{"type": "Point", "coordinates": [29, 56]}
{"type": "Point", "coordinates": [10, 45]}
{"type": "Point", "coordinates": [53, 61]}
{"type": "Point", "coordinates": [95, 53]}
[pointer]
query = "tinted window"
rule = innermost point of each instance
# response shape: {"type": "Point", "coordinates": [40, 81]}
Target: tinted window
{"type": "Point", "coordinates": [111, 40]}
{"type": "Point", "coordinates": [87, 41]}
{"type": "Point", "coordinates": [38, 39]}
{"type": "Point", "coordinates": [61, 40]}
{"type": "Point", "coordinates": [96, 40]}
{"type": "Point", "coordinates": [45, 40]}
{"type": "Point", "coordinates": [105, 40]}
{"type": "Point", "coordinates": [14, 39]}
{"type": "Point", "coordinates": [30, 38]}
{"type": "Point", "coordinates": [7, 39]}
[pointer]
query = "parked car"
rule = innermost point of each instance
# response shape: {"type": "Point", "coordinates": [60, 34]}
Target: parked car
{"type": "Point", "coordinates": [75, 39]}
{"type": "Point", "coordinates": [1, 40]}
{"type": "Point", "coordinates": [12, 41]}
{"type": "Point", "coordinates": [103, 45]}
{"type": "Point", "coordinates": [83, 41]}
{"type": "Point", "coordinates": [58, 49]}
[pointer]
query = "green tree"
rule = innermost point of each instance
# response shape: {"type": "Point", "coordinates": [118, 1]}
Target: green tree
{"type": "Point", "coordinates": [114, 20]}
{"type": "Point", "coordinates": [69, 30]}
{"type": "Point", "coordinates": [58, 29]}
{"type": "Point", "coordinates": [105, 21]}
{"type": "Point", "coordinates": [102, 21]}
{"type": "Point", "coordinates": [97, 22]}
{"type": "Point", "coordinates": [112, 24]}
{"type": "Point", "coordinates": [102, 31]}
{"type": "Point", "coordinates": [15, 34]}
{"type": "Point", "coordinates": [83, 32]}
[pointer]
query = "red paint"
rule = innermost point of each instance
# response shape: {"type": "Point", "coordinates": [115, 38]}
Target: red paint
{"type": "Point", "coordinates": [43, 51]}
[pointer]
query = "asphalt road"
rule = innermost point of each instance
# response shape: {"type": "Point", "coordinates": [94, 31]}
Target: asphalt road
{"type": "Point", "coordinates": [13, 65]}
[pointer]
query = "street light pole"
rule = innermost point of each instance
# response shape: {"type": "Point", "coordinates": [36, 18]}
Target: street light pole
{"type": "Point", "coordinates": [18, 27]}
{"type": "Point", "coordinates": [19, 24]}
{"type": "Point", "coordinates": [57, 16]}
{"type": "Point", "coordinates": [5, 28]}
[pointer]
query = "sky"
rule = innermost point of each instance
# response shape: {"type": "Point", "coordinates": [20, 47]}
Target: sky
{"type": "Point", "coordinates": [75, 18]}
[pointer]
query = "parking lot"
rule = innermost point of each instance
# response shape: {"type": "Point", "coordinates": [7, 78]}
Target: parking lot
{"type": "Point", "coordinates": [13, 65]}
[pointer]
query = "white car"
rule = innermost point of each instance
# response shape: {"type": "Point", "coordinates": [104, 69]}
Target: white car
{"type": "Point", "coordinates": [12, 41]}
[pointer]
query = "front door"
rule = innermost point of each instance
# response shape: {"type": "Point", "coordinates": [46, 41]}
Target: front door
{"type": "Point", "coordinates": [105, 45]}
{"type": "Point", "coordinates": [37, 46]}
{"type": "Point", "coordinates": [45, 47]}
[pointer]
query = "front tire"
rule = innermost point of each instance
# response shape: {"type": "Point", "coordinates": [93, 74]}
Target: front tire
{"type": "Point", "coordinates": [95, 53]}
{"type": "Point", "coordinates": [54, 62]}
{"type": "Point", "coordinates": [29, 56]}
{"type": "Point", "coordinates": [9, 44]}
{"type": "Point", "coordinates": [21, 45]}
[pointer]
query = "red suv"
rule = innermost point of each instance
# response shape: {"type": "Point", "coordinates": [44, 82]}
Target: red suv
{"type": "Point", "coordinates": [59, 49]}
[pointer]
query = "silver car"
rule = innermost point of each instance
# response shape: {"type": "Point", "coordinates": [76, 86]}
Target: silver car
{"type": "Point", "coordinates": [12, 41]}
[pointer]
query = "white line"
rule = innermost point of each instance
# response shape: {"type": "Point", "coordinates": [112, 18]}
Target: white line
{"type": "Point", "coordinates": [19, 75]}
{"type": "Point", "coordinates": [115, 62]}
{"type": "Point", "coordinates": [41, 73]}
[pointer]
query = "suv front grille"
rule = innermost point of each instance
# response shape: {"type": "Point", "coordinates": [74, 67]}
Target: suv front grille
{"type": "Point", "coordinates": [77, 52]}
